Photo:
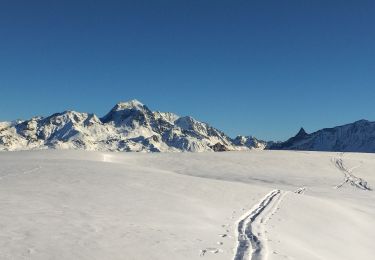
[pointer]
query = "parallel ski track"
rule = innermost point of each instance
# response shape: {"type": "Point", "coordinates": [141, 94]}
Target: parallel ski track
{"type": "Point", "coordinates": [249, 245]}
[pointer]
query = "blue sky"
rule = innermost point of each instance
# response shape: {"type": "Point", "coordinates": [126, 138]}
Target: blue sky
{"type": "Point", "coordinates": [264, 68]}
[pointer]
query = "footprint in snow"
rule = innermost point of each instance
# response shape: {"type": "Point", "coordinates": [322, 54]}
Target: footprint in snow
{"type": "Point", "coordinates": [210, 250]}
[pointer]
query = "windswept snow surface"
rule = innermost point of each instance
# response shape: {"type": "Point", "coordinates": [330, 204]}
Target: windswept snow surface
{"type": "Point", "coordinates": [61, 204]}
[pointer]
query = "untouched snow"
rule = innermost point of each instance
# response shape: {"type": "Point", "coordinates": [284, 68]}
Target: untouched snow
{"type": "Point", "coordinates": [61, 204]}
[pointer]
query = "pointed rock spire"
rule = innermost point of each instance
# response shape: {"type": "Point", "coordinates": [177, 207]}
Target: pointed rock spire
{"type": "Point", "coordinates": [301, 133]}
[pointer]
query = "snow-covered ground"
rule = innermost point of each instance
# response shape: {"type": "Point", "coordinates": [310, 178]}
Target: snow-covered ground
{"type": "Point", "coordinates": [233, 205]}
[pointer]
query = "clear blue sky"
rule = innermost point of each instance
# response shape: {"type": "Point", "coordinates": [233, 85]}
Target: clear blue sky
{"type": "Point", "coordinates": [264, 68]}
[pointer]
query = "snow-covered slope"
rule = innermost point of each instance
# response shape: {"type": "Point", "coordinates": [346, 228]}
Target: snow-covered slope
{"type": "Point", "coordinates": [129, 126]}
{"type": "Point", "coordinates": [355, 137]}
{"type": "Point", "coordinates": [273, 205]}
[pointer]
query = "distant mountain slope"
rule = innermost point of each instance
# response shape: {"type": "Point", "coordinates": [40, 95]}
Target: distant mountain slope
{"type": "Point", "coordinates": [129, 126]}
{"type": "Point", "coordinates": [355, 137]}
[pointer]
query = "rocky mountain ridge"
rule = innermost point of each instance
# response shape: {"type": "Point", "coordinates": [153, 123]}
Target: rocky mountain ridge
{"type": "Point", "coordinates": [355, 137]}
{"type": "Point", "coordinates": [129, 126]}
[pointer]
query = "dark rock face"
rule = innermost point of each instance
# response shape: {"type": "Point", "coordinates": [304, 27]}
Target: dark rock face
{"type": "Point", "coordinates": [218, 147]}
{"type": "Point", "coordinates": [301, 133]}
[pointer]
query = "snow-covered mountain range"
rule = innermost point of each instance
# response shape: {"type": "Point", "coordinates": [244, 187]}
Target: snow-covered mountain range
{"type": "Point", "coordinates": [355, 137]}
{"type": "Point", "coordinates": [129, 126]}
{"type": "Point", "coordinates": [132, 126]}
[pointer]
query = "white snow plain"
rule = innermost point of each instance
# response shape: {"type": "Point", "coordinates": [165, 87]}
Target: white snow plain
{"type": "Point", "coordinates": [59, 204]}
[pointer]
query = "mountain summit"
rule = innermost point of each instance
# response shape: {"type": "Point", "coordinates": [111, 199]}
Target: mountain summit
{"type": "Point", "coordinates": [301, 133]}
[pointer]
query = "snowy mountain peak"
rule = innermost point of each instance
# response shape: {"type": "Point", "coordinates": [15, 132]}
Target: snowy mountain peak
{"type": "Point", "coordinates": [132, 104]}
{"type": "Point", "coordinates": [127, 113]}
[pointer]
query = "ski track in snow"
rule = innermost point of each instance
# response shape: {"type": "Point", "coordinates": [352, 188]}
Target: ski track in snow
{"type": "Point", "coordinates": [250, 229]}
{"type": "Point", "coordinates": [349, 177]}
